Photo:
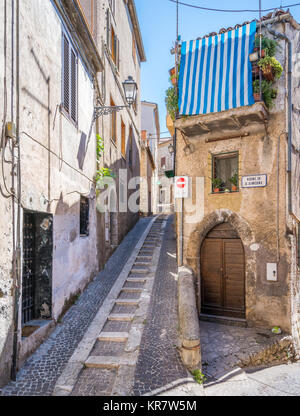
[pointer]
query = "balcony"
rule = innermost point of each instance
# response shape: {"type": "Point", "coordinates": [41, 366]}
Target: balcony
{"type": "Point", "coordinates": [237, 122]}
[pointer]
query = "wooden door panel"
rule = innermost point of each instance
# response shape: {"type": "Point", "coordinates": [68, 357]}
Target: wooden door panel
{"type": "Point", "coordinates": [211, 254]}
{"type": "Point", "coordinates": [234, 275]}
{"type": "Point", "coordinates": [223, 275]}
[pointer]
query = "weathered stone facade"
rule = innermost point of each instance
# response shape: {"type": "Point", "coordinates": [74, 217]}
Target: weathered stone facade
{"type": "Point", "coordinates": [260, 216]}
{"type": "Point", "coordinates": [57, 155]}
{"type": "Point", "coordinates": [149, 157]}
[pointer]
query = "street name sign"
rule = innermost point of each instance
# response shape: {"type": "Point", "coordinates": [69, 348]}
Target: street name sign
{"type": "Point", "coordinates": [254, 181]}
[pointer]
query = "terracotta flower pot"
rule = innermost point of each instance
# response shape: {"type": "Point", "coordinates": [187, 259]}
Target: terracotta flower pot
{"type": "Point", "coordinates": [216, 190]}
{"type": "Point", "coordinates": [256, 96]}
{"type": "Point", "coordinates": [268, 73]}
{"type": "Point", "coordinates": [263, 52]}
{"type": "Point", "coordinates": [234, 188]}
{"type": "Point", "coordinates": [255, 70]}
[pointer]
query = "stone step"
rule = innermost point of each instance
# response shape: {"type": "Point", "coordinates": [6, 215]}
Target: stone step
{"type": "Point", "coordinates": [132, 289]}
{"type": "Point", "coordinates": [139, 270]}
{"type": "Point", "coordinates": [113, 336]}
{"type": "Point", "coordinates": [137, 279]}
{"type": "Point", "coordinates": [142, 258]}
{"type": "Point", "coordinates": [109, 362]}
{"type": "Point", "coordinates": [130, 302]}
{"type": "Point", "coordinates": [142, 263]}
{"type": "Point", "coordinates": [122, 317]}
{"type": "Point", "coordinates": [224, 320]}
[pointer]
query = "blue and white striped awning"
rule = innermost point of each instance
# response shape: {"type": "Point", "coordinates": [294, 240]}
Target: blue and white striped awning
{"type": "Point", "coordinates": [215, 72]}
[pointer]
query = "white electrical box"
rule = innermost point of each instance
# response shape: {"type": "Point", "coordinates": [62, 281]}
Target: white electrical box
{"type": "Point", "coordinates": [272, 272]}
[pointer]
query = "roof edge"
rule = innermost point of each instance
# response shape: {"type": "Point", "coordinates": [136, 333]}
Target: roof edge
{"type": "Point", "coordinates": [137, 30]}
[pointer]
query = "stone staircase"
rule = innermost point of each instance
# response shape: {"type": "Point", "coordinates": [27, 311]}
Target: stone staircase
{"type": "Point", "coordinates": [109, 368]}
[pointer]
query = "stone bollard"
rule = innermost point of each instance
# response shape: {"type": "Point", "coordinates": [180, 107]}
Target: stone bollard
{"type": "Point", "coordinates": [188, 319]}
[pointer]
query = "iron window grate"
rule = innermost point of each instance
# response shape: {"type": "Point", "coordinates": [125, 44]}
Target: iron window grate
{"type": "Point", "coordinates": [84, 216]}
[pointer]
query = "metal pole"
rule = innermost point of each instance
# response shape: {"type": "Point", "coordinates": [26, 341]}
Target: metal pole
{"type": "Point", "coordinates": [260, 36]}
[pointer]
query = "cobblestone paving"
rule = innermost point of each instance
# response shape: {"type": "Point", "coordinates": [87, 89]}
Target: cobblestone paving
{"type": "Point", "coordinates": [95, 382]}
{"type": "Point", "coordinates": [39, 374]}
{"type": "Point", "coordinates": [224, 346]}
{"type": "Point", "coordinates": [159, 362]}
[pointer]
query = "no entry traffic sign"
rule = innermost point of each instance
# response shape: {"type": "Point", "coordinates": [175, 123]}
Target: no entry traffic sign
{"type": "Point", "coordinates": [181, 187]}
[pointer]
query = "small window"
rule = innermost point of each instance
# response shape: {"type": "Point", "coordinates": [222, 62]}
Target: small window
{"type": "Point", "coordinates": [123, 139]}
{"type": "Point", "coordinates": [225, 177]}
{"type": "Point", "coordinates": [84, 216]}
{"type": "Point", "coordinates": [70, 76]}
{"type": "Point", "coordinates": [113, 123]}
{"type": "Point", "coordinates": [112, 40]}
{"type": "Point", "coordinates": [163, 162]}
{"type": "Point", "coordinates": [130, 152]}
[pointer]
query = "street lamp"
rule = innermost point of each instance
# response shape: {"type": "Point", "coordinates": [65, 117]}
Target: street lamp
{"type": "Point", "coordinates": [130, 91]}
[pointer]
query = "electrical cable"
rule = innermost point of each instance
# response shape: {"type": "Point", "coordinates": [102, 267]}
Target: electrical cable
{"type": "Point", "coordinates": [232, 10]}
{"type": "Point", "coordinates": [9, 194]}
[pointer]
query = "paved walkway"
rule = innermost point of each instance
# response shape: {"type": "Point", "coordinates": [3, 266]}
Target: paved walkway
{"type": "Point", "coordinates": [159, 365]}
{"type": "Point", "coordinates": [226, 347]}
{"type": "Point", "coordinates": [281, 380]}
{"type": "Point", "coordinates": [104, 362]}
{"type": "Point", "coordinates": [41, 371]}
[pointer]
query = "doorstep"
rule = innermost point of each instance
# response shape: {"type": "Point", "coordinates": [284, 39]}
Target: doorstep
{"type": "Point", "coordinates": [37, 332]}
{"type": "Point", "coordinates": [224, 320]}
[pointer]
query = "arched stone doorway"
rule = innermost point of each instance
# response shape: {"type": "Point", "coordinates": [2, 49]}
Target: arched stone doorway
{"type": "Point", "coordinates": [222, 263]}
{"type": "Point", "coordinates": [192, 254]}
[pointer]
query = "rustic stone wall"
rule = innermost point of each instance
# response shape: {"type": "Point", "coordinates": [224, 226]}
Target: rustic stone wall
{"type": "Point", "coordinates": [259, 215]}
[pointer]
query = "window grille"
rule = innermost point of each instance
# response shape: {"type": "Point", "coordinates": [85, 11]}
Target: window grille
{"type": "Point", "coordinates": [84, 216]}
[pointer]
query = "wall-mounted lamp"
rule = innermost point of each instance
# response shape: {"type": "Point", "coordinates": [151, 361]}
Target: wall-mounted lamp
{"type": "Point", "coordinates": [130, 91]}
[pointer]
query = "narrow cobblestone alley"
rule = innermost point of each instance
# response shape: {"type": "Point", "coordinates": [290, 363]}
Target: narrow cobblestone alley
{"type": "Point", "coordinates": [135, 352]}
{"type": "Point", "coordinates": [39, 374]}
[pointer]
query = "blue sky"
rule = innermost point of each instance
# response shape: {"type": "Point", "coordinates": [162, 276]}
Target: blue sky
{"type": "Point", "coordinates": [158, 26]}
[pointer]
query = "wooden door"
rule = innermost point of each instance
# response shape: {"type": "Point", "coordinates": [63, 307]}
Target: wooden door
{"type": "Point", "coordinates": [223, 273]}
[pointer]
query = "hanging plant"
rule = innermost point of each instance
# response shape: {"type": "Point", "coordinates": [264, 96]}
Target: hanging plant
{"type": "Point", "coordinates": [270, 67]}
{"type": "Point", "coordinates": [101, 173]}
{"type": "Point", "coordinates": [172, 102]}
{"type": "Point", "coordinates": [268, 93]}
{"type": "Point", "coordinates": [267, 44]}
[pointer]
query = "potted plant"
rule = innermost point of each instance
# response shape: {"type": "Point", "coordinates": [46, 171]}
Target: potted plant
{"type": "Point", "coordinates": [270, 67]}
{"type": "Point", "coordinates": [268, 93]}
{"type": "Point", "coordinates": [256, 91]}
{"type": "Point", "coordinates": [268, 46]}
{"type": "Point", "coordinates": [216, 183]}
{"type": "Point", "coordinates": [234, 180]}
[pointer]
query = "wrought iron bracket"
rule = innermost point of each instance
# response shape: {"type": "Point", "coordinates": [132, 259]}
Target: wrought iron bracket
{"type": "Point", "coordinates": [103, 110]}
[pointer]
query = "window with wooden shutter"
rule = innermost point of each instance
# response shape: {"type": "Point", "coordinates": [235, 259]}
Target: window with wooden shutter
{"type": "Point", "coordinates": [130, 150]}
{"type": "Point", "coordinates": [69, 87]}
{"type": "Point", "coordinates": [113, 123]}
{"type": "Point", "coordinates": [73, 86]}
{"type": "Point", "coordinates": [66, 75]}
{"type": "Point", "coordinates": [108, 29]}
{"type": "Point", "coordinates": [123, 139]}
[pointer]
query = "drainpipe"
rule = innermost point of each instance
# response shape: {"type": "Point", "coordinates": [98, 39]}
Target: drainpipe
{"type": "Point", "coordinates": [17, 265]}
{"type": "Point", "coordinates": [289, 169]}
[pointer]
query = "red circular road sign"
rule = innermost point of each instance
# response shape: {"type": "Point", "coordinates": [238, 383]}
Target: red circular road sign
{"type": "Point", "coordinates": [180, 183]}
